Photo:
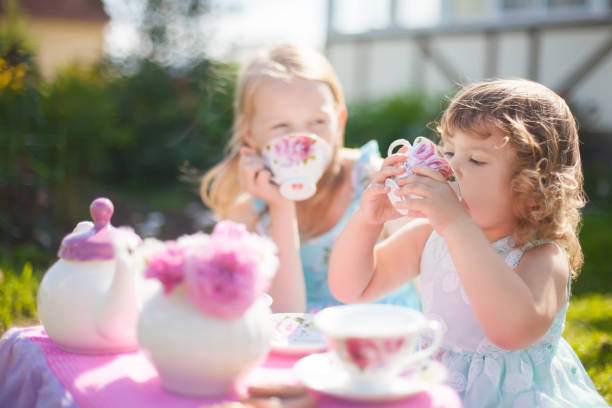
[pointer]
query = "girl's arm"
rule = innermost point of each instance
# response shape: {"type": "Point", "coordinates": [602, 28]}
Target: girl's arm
{"type": "Point", "coordinates": [513, 307]}
{"type": "Point", "coordinates": [360, 270]}
{"type": "Point", "coordinates": [287, 289]}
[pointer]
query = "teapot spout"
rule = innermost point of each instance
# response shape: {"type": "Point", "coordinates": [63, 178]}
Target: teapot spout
{"type": "Point", "coordinates": [117, 314]}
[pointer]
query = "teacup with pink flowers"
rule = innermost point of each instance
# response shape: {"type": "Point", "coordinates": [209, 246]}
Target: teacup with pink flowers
{"type": "Point", "coordinates": [374, 343]}
{"type": "Point", "coordinates": [423, 152]}
{"type": "Point", "coordinates": [297, 162]}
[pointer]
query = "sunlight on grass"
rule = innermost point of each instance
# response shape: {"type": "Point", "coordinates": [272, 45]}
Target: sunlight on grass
{"type": "Point", "coordinates": [589, 330]}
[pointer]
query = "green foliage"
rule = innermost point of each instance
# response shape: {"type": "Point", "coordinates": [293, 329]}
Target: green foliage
{"type": "Point", "coordinates": [174, 122]}
{"type": "Point", "coordinates": [401, 116]}
{"type": "Point", "coordinates": [589, 331]}
{"type": "Point", "coordinates": [86, 131]}
{"type": "Point", "coordinates": [596, 241]}
{"type": "Point", "coordinates": [18, 295]}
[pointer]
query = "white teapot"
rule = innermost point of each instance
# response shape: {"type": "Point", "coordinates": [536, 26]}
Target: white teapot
{"type": "Point", "coordinates": [90, 299]}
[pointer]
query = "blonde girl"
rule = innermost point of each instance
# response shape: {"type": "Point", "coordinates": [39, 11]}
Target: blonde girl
{"type": "Point", "coordinates": [283, 90]}
{"type": "Point", "coordinates": [496, 264]}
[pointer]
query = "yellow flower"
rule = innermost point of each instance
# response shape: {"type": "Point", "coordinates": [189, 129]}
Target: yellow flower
{"type": "Point", "coordinates": [12, 77]}
{"type": "Point", "coordinates": [5, 78]}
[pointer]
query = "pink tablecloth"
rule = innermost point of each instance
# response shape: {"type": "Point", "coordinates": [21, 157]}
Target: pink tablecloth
{"type": "Point", "coordinates": [130, 380]}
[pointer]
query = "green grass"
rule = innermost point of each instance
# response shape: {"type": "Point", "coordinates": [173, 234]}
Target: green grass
{"type": "Point", "coordinates": [18, 296]}
{"type": "Point", "coordinates": [589, 331]}
{"type": "Point", "coordinates": [589, 318]}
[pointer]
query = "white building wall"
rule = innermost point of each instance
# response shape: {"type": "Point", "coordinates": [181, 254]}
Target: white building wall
{"type": "Point", "coordinates": [512, 57]}
{"type": "Point", "coordinates": [376, 68]}
{"type": "Point", "coordinates": [390, 67]}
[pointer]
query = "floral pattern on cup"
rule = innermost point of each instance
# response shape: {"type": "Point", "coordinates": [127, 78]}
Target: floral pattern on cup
{"type": "Point", "coordinates": [375, 342]}
{"type": "Point", "coordinates": [370, 353]}
{"type": "Point", "coordinates": [292, 150]}
{"type": "Point", "coordinates": [297, 162]}
{"type": "Point", "coordinates": [423, 152]}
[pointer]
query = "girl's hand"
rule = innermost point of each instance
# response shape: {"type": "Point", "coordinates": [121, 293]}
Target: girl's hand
{"type": "Point", "coordinates": [375, 207]}
{"type": "Point", "coordinates": [256, 179]}
{"type": "Point", "coordinates": [436, 199]}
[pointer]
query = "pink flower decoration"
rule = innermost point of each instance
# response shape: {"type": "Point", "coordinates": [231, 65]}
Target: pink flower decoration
{"type": "Point", "coordinates": [439, 164]}
{"type": "Point", "coordinates": [222, 278]}
{"type": "Point", "coordinates": [422, 150]}
{"type": "Point", "coordinates": [291, 150]}
{"type": "Point", "coordinates": [167, 266]}
{"type": "Point", "coordinates": [224, 273]}
{"type": "Point", "coordinates": [302, 147]}
{"type": "Point", "coordinates": [230, 229]}
{"type": "Point", "coordinates": [232, 270]}
{"type": "Point", "coordinates": [368, 353]}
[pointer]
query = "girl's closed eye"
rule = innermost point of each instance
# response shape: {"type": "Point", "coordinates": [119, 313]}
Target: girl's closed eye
{"type": "Point", "coordinates": [319, 121]}
{"type": "Point", "coordinates": [280, 126]}
{"type": "Point", "coordinates": [477, 162]}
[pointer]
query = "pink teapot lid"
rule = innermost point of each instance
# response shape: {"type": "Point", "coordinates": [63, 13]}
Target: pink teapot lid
{"type": "Point", "coordinates": [95, 243]}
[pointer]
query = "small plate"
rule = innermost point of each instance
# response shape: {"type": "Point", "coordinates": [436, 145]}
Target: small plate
{"type": "Point", "coordinates": [294, 333]}
{"type": "Point", "coordinates": [322, 372]}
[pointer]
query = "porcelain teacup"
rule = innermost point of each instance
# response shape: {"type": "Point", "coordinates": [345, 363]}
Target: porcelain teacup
{"type": "Point", "coordinates": [423, 152]}
{"type": "Point", "coordinates": [375, 343]}
{"type": "Point", "coordinates": [297, 162]}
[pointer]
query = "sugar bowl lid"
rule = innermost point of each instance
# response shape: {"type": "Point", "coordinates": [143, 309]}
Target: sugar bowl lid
{"type": "Point", "coordinates": [89, 241]}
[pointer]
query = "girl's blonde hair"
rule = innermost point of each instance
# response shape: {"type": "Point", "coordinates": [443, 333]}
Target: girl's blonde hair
{"type": "Point", "coordinates": [220, 186]}
{"type": "Point", "coordinates": [547, 183]}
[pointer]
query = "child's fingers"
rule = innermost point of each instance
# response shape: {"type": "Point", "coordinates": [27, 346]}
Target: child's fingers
{"type": "Point", "coordinates": [245, 150]}
{"type": "Point", "coordinates": [415, 205]}
{"type": "Point", "coordinates": [263, 178]}
{"type": "Point", "coordinates": [393, 160]}
{"type": "Point", "coordinates": [385, 173]}
{"type": "Point", "coordinates": [377, 188]}
{"type": "Point", "coordinates": [418, 189]}
{"type": "Point", "coordinates": [404, 149]}
{"type": "Point", "coordinates": [428, 172]}
{"type": "Point", "coordinates": [250, 160]}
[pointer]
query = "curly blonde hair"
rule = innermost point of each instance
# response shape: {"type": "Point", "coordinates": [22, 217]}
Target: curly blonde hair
{"type": "Point", "coordinates": [547, 183]}
{"type": "Point", "coordinates": [220, 186]}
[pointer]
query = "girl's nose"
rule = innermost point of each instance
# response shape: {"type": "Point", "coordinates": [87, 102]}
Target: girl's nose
{"type": "Point", "coordinates": [455, 165]}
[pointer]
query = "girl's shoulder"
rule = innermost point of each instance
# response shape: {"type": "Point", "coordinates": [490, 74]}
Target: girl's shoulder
{"type": "Point", "coordinates": [544, 262]}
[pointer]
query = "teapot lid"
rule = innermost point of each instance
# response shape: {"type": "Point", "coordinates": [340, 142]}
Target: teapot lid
{"type": "Point", "coordinates": [92, 242]}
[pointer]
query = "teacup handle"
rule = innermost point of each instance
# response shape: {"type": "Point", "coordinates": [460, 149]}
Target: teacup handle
{"type": "Point", "coordinates": [395, 143]}
{"type": "Point", "coordinates": [436, 328]}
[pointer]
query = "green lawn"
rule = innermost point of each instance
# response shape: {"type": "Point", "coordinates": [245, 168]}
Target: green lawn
{"type": "Point", "coordinates": [589, 319]}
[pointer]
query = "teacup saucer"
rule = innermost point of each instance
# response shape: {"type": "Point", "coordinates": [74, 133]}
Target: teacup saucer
{"type": "Point", "coordinates": [322, 372]}
{"type": "Point", "coordinates": [294, 333]}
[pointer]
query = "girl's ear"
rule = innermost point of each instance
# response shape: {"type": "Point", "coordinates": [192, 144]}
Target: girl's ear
{"type": "Point", "coordinates": [342, 115]}
{"type": "Point", "coordinates": [247, 139]}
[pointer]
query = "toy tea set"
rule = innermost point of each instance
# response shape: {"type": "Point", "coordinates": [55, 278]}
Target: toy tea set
{"type": "Point", "coordinates": [423, 152]}
{"type": "Point", "coordinates": [111, 292]}
{"type": "Point", "coordinates": [297, 162]}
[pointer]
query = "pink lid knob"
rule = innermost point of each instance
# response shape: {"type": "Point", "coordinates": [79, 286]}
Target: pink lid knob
{"type": "Point", "coordinates": [101, 210]}
{"type": "Point", "coordinates": [94, 243]}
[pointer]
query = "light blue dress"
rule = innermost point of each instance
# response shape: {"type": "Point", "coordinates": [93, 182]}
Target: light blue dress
{"type": "Point", "coordinates": [546, 374]}
{"type": "Point", "coordinates": [315, 251]}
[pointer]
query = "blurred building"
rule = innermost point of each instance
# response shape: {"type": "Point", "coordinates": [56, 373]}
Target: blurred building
{"type": "Point", "coordinates": [64, 31]}
{"type": "Point", "coordinates": [389, 46]}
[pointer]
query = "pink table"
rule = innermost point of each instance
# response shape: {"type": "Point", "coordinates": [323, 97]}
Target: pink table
{"type": "Point", "coordinates": [35, 372]}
